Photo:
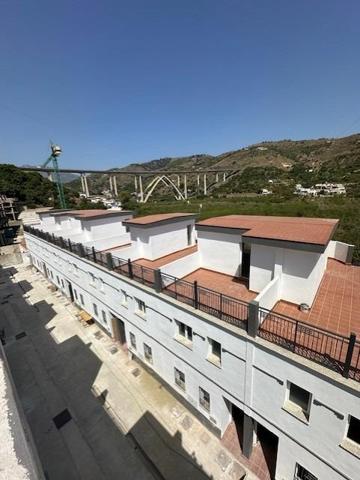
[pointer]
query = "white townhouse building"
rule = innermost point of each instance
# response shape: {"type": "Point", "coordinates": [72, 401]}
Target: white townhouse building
{"type": "Point", "coordinates": [253, 321]}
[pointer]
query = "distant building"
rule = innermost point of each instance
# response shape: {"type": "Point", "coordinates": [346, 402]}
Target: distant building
{"type": "Point", "coordinates": [321, 189]}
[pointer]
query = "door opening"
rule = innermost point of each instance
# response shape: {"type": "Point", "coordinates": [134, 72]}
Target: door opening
{"type": "Point", "coordinates": [70, 290]}
{"type": "Point", "coordinates": [245, 262]}
{"type": "Point", "coordinates": [118, 327]}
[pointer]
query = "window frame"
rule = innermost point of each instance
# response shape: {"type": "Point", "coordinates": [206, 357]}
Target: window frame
{"type": "Point", "coordinates": [95, 310]}
{"type": "Point", "coordinates": [179, 382]}
{"type": "Point", "coordinates": [148, 357]}
{"type": "Point", "coordinates": [213, 357]}
{"type": "Point", "coordinates": [347, 438]}
{"type": "Point", "coordinates": [138, 310]}
{"type": "Point", "coordinates": [132, 340]}
{"type": "Point", "coordinates": [205, 405]}
{"type": "Point", "coordinates": [296, 408]}
{"type": "Point", "coordinates": [187, 336]}
{"type": "Point", "coordinates": [304, 472]}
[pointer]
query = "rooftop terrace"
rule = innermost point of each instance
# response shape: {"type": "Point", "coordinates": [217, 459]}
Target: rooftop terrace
{"type": "Point", "coordinates": [337, 303]}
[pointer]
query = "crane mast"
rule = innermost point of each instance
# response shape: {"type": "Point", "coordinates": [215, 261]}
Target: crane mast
{"type": "Point", "coordinates": [55, 152]}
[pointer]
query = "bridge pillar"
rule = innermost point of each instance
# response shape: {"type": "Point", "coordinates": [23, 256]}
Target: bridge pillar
{"type": "Point", "coordinates": [178, 181]}
{"type": "Point", "coordinates": [224, 177]}
{"type": "Point", "coordinates": [141, 190]}
{"type": "Point", "coordinates": [115, 186]}
{"type": "Point", "coordinates": [205, 186]}
{"type": "Point", "coordinates": [110, 183]}
{"type": "Point", "coordinates": [135, 185]}
{"type": "Point", "coordinates": [86, 187]}
{"type": "Point", "coordinates": [185, 187]}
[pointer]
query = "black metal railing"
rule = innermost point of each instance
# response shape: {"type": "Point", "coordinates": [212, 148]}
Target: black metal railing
{"type": "Point", "coordinates": [334, 351]}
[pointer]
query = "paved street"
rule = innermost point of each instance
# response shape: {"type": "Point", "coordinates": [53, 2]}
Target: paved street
{"type": "Point", "coordinates": [116, 420]}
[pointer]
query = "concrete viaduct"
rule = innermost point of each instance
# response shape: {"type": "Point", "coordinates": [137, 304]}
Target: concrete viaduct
{"type": "Point", "coordinates": [176, 180]}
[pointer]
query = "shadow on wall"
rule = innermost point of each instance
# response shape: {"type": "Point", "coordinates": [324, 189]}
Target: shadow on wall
{"type": "Point", "coordinates": [65, 372]}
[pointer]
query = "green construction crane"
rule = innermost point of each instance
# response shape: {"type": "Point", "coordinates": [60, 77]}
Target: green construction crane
{"type": "Point", "coordinates": [55, 152]}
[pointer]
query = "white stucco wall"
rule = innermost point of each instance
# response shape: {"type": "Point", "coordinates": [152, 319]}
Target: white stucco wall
{"type": "Point", "coordinates": [301, 275]}
{"type": "Point", "coordinates": [220, 251]}
{"type": "Point", "coordinates": [184, 266]}
{"type": "Point", "coordinates": [253, 374]}
{"type": "Point", "coordinates": [160, 240]}
{"type": "Point", "coordinates": [271, 294]}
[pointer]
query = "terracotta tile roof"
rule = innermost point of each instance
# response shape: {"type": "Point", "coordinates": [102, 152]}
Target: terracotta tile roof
{"type": "Point", "coordinates": [292, 229]}
{"type": "Point", "coordinates": [157, 218]}
{"type": "Point", "coordinates": [222, 283]}
{"type": "Point", "coordinates": [97, 212]}
{"type": "Point", "coordinates": [337, 303]}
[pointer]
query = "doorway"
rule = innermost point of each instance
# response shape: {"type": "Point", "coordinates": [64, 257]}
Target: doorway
{"type": "Point", "coordinates": [70, 290]}
{"type": "Point", "coordinates": [118, 328]}
{"type": "Point", "coordinates": [262, 449]}
{"type": "Point", "coordinates": [245, 262]}
{"type": "Point", "coordinates": [268, 443]}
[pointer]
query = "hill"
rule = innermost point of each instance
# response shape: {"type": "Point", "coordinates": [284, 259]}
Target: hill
{"type": "Point", "coordinates": [285, 162]}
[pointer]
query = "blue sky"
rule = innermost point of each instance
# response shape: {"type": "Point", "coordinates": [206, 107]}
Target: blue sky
{"type": "Point", "coordinates": [116, 82]}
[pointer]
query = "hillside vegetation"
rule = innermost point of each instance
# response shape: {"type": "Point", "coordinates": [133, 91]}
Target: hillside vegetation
{"type": "Point", "coordinates": [285, 163]}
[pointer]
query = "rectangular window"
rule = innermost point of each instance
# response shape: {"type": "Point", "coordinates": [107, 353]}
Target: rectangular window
{"type": "Point", "coordinates": [75, 294]}
{"type": "Point", "coordinates": [124, 298]}
{"type": "Point", "coordinates": [299, 400]}
{"type": "Point", "coordinates": [62, 284]}
{"type": "Point", "coordinates": [204, 399]}
{"type": "Point", "coordinates": [353, 432]}
{"type": "Point", "coordinates": [95, 308]}
{"type": "Point", "coordinates": [133, 341]}
{"type": "Point", "coordinates": [91, 279]}
{"type": "Point", "coordinates": [57, 280]}
{"type": "Point", "coordinates": [82, 299]}
{"type": "Point", "coordinates": [214, 352]}
{"type": "Point", "coordinates": [148, 353]}
{"type": "Point", "coordinates": [179, 378]}
{"type": "Point", "coordinates": [302, 474]}
{"type": "Point", "coordinates": [184, 332]}
{"type": "Point", "coordinates": [103, 314]}
{"type": "Point", "coordinates": [140, 306]}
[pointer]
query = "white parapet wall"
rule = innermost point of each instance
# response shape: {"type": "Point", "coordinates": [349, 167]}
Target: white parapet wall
{"type": "Point", "coordinates": [270, 295]}
{"type": "Point", "coordinates": [340, 251]}
{"type": "Point", "coordinates": [183, 266]}
{"type": "Point", "coordinates": [108, 242]}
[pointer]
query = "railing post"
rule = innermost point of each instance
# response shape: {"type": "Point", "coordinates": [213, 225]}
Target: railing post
{"type": "Point", "coordinates": [253, 320]}
{"type": "Point", "coordinates": [70, 246]}
{"type": "Point", "coordinates": [196, 295]}
{"type": "Point", "coordinates": [349, 354]}
{"type": "Point", "coordinates": [81, 250]}
{"type": "Point", "coordinates": [62, 243]}
{"type": "Point", "coordinates": [221, 306]}
{"type": "Point", "coordinates": [109, 261]}
{"type": "Point", "coordinates": [94, 254]}
{"type": "Point", "coordinates": [131, 275]}
{"type": "Point", "coordinates": [157, 280]}
{"type": "Point", "coordinates": [295, 336]}
{"type": "Point", "coordinates": [53, 239]}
